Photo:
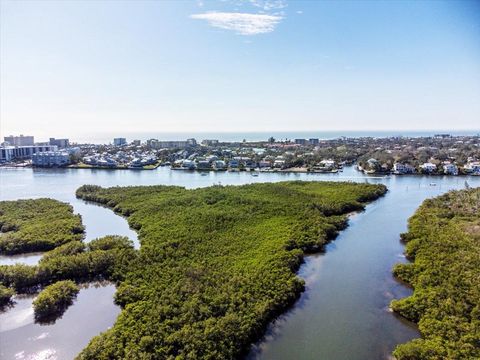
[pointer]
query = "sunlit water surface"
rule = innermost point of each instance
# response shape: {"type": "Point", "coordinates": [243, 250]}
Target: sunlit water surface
{"type": "Point", "coordinates": [343, 314]}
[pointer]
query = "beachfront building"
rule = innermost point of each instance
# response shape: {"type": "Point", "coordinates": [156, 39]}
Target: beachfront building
{"type": "Point", "coordinates": [210, 142]}
{"type": "Point", "coordinates": [19, 140]}
{"type": "Point", "coordinates": [191, 142]}
{"type": "Point", "coordinates": [119, 141]}
{"type": "Point", "coordinates": [301, 142]}
{"type": "Point", "coordinates": [61, 143]}
{"type": "Point", "coordinates": [175, 144]}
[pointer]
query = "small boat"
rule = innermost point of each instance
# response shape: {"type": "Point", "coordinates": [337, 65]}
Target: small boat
{"type": "Point", "coordinates": [254, 174]}
{"type": "Point", "coordinates": [433, 184]}
{"type": "Point", "coordinates": [204, 174]}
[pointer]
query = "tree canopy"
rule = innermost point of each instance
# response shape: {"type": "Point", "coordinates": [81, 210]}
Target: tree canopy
{"type": "Point", "coordinates": [216, 264]}
{"type": "Point", "coordinates": [443, 241]}
{"type": "Point", "coordinates": [37, 225]}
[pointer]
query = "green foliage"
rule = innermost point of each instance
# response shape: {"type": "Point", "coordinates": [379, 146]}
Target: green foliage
{"type": "Point", "coordinates": [37, 225]}
{"type": "Point", "coordinates": [5, 295]}
{"type": "Point", "coordinates": [110, 242]}
{"type": "Point", "coordinates": [54, 300]}
{"type": "Point", "coordinates": [444, 242]}
{"type": "Point", "coordinates": [107, 258]}
{"type": "Point", "coordinates": [216, 264]}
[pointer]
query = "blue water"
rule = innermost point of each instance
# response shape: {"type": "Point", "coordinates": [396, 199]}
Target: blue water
{"type": "Point", "coordinates": [343, 314]}
{"type": "Point", "coordinates": [105, 138]}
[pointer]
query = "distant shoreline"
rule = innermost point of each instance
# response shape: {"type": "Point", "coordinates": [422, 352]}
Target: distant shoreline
{"type": "Point", "coordinates": [254, 136]}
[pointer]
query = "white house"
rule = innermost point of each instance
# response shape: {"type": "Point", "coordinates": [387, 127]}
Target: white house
{"type": "Point", "coordinates": [450, 169]}
{"type": "Point", "coordinates": [428, 167]}
{"type": "Point", "coordinates": [399, 168]}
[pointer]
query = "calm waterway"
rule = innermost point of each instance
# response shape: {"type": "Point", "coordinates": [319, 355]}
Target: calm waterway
{"type": "Point", "coordinates": [343, 314]}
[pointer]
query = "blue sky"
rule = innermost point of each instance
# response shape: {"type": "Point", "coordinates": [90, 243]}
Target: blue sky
{"type": "Point", "coordinates": [71, 67]}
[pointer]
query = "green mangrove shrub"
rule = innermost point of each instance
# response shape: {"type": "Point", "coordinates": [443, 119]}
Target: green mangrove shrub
{"type": "Point", "coordinates": [54, 300]}
{"type": "Point", "coordinates": [443, 241]}
{"type": "Point", "coordinates": [216, 264]}
{"type": "Point", "coordinates": [37, 225]}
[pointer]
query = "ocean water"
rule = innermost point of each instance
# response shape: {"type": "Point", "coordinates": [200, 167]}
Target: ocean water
{"type": "Point", "coordinates": [105, 138]}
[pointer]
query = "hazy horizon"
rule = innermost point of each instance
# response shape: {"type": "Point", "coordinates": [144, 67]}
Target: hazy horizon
{"type": "Point", "coordinates": [77, 68]}
{"type": "Point", "coordinates": [233, 136]}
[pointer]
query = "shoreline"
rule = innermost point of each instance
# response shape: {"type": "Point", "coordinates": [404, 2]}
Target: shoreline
{"type": "Point", "coordinates": [253, 171]}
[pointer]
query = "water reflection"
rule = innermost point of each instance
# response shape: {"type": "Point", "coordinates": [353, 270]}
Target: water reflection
{"type": "Point", "coordinates": [343, 314]}
{"type": "Point", "coordinates": [21, 338]}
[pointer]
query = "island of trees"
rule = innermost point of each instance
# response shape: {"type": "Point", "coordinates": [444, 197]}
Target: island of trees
{"type": "Point", "coordinates": [54, 300]}
{"type": "Point", "coordinates": [37, 225]}
{"type": "Point", "coordinates": [443, 241]}
{"type": "Point", "coordinates": [46, 224]}
{"type": "Point", "coordinates": [216, 264]}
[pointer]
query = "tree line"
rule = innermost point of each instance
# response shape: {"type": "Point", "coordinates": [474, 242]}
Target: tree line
{"type": "Point", "coordinates": [443, 243]}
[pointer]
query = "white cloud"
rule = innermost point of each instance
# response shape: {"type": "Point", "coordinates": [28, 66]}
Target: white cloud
{"type": "Point", "coordinates": [268, 5]}
{"type": "Point", "coordinates": [241, 23]}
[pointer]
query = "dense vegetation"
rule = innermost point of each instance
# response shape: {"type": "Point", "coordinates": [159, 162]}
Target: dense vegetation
{"type": "Point", "coordinates": [443, 242]}
{"type": "Point", "coordinates": [54, 300]}
{"type": "Point", "coordinates": [216, 264]}
{"type": "Point", "coordinates": [5, 295]}
{"type": "Point", "coordinates": [107, 258]}
{"type": "Point", "coordinates": [37, 225]}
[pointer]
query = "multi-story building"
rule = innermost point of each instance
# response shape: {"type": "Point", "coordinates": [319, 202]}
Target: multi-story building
{"type": "Point", "coordinates": [51, 159]}
{"type": "Point", "coordinates": [19, 140]}
{"type": "Point", "coordinates": [119, 141]}
{"type": "Point", "coordinates": [10, 153]}
{"type": "Point", "coordinates": [301, 141]}
{"type": "Point", "coordinates": [61, 143]}
{"type": "Point", "coordinates": [210, 142]}
{"type": "Point", "coordinates": [177, 144]}
{"type": "Point", "coordinates": [313, 141]}
{"type": "Point", "coordinates": [192, 142]}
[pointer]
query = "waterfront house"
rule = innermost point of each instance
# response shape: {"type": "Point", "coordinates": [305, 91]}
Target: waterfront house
{"type": "Point", "coordinates": [233, 164]}
{"type": "Point", "coordinates": [401, 169]}
{"type": "Point", "coordinates": [450, 169]}
{"type": "Point", "coordinates": [203, 164]}
{"type": "Point", "coordinates": [250, 164]}
{"type": "Point", "coordinates": [472, 167]}
{"type": "Point", "coordinates": [219, 165]}
{"type": "Point", "coordinates": [428, 167]}
{"type": "Point", "coordinates": [188, 164]}
{"type": "Point", "coordinates": [326, 164]}
{"type": "Point", "coordinates": [264, 164]}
